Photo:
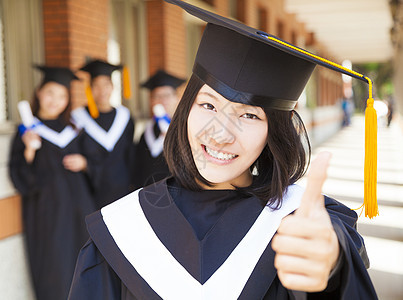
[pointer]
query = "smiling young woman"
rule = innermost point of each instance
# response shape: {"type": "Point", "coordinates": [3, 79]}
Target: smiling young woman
{"type": "Point", "coordinates": [230, 223]}
{"type": "Point", "coordinates": [53, 183]}
{"type": "Point", "coordinates": [271, 142]}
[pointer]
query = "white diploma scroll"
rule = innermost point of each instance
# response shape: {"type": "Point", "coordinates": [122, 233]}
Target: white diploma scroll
{"type": "Point", "coordinates": [28, 120]}
{"type": "Point", "coordinates": [160, 113]}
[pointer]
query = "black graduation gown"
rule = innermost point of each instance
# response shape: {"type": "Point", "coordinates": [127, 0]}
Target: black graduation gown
{"type": "Point", "coordinates": [55, 203]}
{"type": "Point", "coordinates": [147, 168]}
{"type": "Point", "coordinates": [106, 271]}
{"type": "Point", "coordinates": [110, 152]}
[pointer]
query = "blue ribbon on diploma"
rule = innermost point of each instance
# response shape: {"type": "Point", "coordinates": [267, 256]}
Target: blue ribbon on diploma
{"type": "Point", "coordinates": [165, 117]}
{"type": "Point", "coordinates": [22, 128]}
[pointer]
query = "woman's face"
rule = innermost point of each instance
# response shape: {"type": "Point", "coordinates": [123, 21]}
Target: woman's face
{"type": "Point", "coordinates": [53, 99]}
{"type": "Point", "coordinates": [226, 138]}
{"type": "Point", "coordinates": [101, 91]}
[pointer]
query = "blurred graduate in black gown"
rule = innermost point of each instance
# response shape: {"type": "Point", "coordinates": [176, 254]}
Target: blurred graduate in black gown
{"type": "Point", "coordinates": [149, 162]}
{"type": "Point", "coordinates": [48, 169]}
{"type": "Point", "coordinates": [230, 223]}
{"type": "Point", "coordinates": [111, 132]}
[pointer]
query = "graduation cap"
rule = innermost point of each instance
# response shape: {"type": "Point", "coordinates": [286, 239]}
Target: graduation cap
{"type": "Point", "coordinates": [250, 66]}
{"type": "Point", "coordinates": [99, 67]}
{"type": "Point", "coordinates": [162, 78]}
{"type": "Point", "coordinates": [61, 75]}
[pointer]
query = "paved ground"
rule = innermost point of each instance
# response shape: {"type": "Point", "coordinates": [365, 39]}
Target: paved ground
{"type": "Point", "coordinates": [384, 234]}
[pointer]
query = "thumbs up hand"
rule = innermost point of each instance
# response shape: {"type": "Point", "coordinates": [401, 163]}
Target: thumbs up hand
{"type": "Point", "coordinates": [306, 244]}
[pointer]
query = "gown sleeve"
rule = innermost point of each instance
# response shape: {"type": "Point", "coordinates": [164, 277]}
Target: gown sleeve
{"type": "Point", "coordinates": [93, 277]}
{"type": "Point", "coordinates": [95, 160]}
{"type": "Point", "coordinates": [131, 151]}
{"type": "Point", "coordinates": [351, 281]}
{"type": "Point", "coordinates": [21, 173]}
{"type": "Point", "coordinates": [139, 163]}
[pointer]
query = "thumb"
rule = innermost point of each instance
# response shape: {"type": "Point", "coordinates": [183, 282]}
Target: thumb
{"type": "Point", "coordinates": [312, 198]}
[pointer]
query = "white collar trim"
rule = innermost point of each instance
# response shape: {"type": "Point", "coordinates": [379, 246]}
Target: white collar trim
{"type": "Point", "coordinates": [165, 275]}
{"type": "Point", "coordinates": [106, 139]}
{"type": "Point", "coordinates": [60, 139]}
{"type": "Point", "coordinates": [155, 145]}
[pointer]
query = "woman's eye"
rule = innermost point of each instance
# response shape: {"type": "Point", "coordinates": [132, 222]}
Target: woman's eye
{"type": "Point", "coordinates": [250, 116]}
{"type": "Point", "coordinates": [208, 106]}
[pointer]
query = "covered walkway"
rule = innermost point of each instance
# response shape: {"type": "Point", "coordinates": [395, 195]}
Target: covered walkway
{"type": "Point", "coordinates": [383, 234]}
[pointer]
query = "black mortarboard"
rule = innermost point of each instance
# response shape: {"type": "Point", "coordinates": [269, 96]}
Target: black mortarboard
{"type": "Point", "coordinates": [57, 74]}
{"type": "Point", "coordinates": [245, 65]}
{"type": "Point", "coordinates": [162, 78]}
{"type": "Point", "coordinates": [249, 66]}
{"type": "Point", "coordinates": [99, 67]}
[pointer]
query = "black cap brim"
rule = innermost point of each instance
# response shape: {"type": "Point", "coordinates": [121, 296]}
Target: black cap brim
{"type": "Point", "coordinates": [60, 75]}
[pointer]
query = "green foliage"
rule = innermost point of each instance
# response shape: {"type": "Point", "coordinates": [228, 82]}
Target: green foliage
{"type": "Point", "coordinates": [381, 75]}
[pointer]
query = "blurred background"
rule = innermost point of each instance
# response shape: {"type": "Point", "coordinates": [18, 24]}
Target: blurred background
{"type": "Point", "coordinates": [147, 35]}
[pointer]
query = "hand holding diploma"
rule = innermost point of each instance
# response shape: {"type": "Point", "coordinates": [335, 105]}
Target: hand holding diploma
{"type": "Point", "coordinates": [162, 117]}
{"type": "Point", "coordinates": [32, 140]}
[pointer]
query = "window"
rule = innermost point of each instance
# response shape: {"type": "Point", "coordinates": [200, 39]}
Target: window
{"type": "Point", "coordinates": [294, 40]}
{"type": "Point", "coordinates": [3, 102]}
{"type": "Point", "coordinates": [280, 29]}
{"type": "Point", "coordinates": [21, 46]}
{"type": "Point", "coordinates": [262, 19]}
{"type": "Point", "coordinates": [127, 45]}
{"type": "Point", "coordinates": [237, 9]}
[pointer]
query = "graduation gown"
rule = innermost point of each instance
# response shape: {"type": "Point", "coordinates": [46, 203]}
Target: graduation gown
{"type": "Point", "coordinates": [147, 246]}
{"type": "Point", "coordinates": [149, 161]}
{"type": "Point", "coordinates": [55, 203]}
{"type": "Point", "coordinates": [109, 150]}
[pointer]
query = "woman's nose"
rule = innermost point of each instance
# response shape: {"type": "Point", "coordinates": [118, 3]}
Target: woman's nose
{"type": "Point", "coordinates": [220, 132]}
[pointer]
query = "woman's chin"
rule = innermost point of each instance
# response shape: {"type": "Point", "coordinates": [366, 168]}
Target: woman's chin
{"type": "Point", "coordinates": [224, 180]}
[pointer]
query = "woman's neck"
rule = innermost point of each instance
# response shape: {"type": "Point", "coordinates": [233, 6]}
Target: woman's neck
{"type": "Point", "coordinates": [45, 116]}
{"type": "Point", "coordinates": [105, 108]}
{"type": "Point", "coordinates": [238, 182]}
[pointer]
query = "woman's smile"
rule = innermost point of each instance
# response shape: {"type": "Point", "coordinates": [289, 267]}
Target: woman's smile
{"type": "Point", "coordinates": [217, 156]}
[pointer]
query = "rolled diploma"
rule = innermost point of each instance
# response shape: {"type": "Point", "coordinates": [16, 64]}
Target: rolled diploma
{"type": "Point", "coordinates": [159, 112]}
{"type": "Point", "coordinates": [28, 120]}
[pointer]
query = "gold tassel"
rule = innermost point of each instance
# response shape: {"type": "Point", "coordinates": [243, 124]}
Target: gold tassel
{"type": "Point", "coordinates": [126, 83]}
{"type": "Point", "coordinates": [92, 107]}
{"type": "Point", "coordinates": [370, 165]}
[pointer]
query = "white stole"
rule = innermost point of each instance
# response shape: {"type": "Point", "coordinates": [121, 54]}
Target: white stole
{"type": "Point", "coordinates": [106, 139]}
{"type": "Point", "coordinates": [137, 241]}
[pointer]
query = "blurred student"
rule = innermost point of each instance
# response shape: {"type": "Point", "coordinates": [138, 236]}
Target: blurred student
{"type": "Point", "coordinates": [391, 107]}
{"type": "Point", "coordinates": [111, 136]}
{"type": "Point", "coordinates": [48, 170]}
{"type": "Point", "coordinates": [149, 161]}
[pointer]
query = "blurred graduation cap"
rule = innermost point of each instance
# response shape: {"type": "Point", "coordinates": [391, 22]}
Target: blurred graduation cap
{"type": "Point", "coordinates": [97, 67]}
{"type": "Point", "coordinates": [162, 78]}
{"type": "Point", "coordinates": [250, 66]}
{"type": "Point", "coordinates": [63, 76]}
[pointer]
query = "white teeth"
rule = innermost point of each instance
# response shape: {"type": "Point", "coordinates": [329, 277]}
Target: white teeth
{"type": "Point", "coordinates": [219, 155]}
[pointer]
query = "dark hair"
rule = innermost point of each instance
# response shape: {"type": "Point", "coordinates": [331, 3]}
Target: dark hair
{"type": "Point", "coordinates": [65, 116]}
{"type": "Point", "coordinates": [282, 162]}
